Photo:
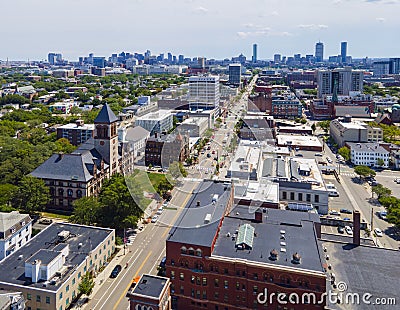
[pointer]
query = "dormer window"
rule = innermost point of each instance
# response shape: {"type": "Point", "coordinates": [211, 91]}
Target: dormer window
{"type": "Point", "coordinates": [183, 250]}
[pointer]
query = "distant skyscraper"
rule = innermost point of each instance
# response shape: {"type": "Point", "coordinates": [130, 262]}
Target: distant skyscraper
{"type": "Point", "coordinates": [343, 51]}
{"type": "Point", "coordinates": [319, 52]}
{"type": "Point", "coordinates": [277, 58]}
{"type": "Point", "coordinates": [234, 74]}
{"type": "Point", "coordinates": [54, 58]}
{"type": "Point", "coordinates": [254, 58]}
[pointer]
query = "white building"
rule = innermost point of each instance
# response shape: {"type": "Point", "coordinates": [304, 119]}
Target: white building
{"type": "Point", "coordinates": [193, 126]}
{"type": "Point", "coordinates": [136, 137]}
{"type": "Point", "coordinates": [15, 232]}
{"type": "Point", "coordinates": [159, 121]}
{"type": "Point", "coordinates": [204, 92]}
{"type": "Point", "coordinates": [367, 154]}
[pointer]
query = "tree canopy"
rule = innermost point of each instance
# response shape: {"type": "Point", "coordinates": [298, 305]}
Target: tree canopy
{"type": "Point", "coordinates": [364, 171]}
{"type": "Point", "coordinates": [345, 153]}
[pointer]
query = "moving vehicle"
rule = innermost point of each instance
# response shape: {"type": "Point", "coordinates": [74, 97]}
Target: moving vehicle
{"type": "Point", "coordinates": [340, 230]}
{"type": "Point", "coordinates": [382, 215]}
{"type": "Point", "coordinates": [348, 230]}
{"type": "Point", "coordinates": [117, 269]}
{"type": "Point", "coordinates": [347, 211]}
{"type": "Point", "coordinates": [378, 232]}
{"type": "Point", "coordinates": [154, 219]}
{"type": "Point", "coordinates": [397, 180]}
{"type": "Point", "coordinates": [334, 212]}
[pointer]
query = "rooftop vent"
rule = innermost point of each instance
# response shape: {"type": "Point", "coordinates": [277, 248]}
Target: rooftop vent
{"type": "Point", "coordinates": [63, 235]}
{"type": "Point", "coordinates": [198, 203]}
{"type": "Point", "coordinates": [296, 258]}
{"type": "Point", "coordinates": [273, 255]}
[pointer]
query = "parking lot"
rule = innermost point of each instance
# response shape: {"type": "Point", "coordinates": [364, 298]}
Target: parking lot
{"type": "Point", "coordinates": [386, 178]}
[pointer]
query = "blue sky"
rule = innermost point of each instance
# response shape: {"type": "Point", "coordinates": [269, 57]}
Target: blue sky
{"type": "Point", "coordinates": [210, 28]}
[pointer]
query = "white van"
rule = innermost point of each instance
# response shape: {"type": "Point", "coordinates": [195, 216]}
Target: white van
{"type": "Point", "coordinates": [330, 186]}
{"type": "Point", "coordinates": [333, 193]}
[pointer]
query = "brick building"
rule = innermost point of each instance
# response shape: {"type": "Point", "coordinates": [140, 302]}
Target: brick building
{"type": "Point", "coordinates": [222, 257]}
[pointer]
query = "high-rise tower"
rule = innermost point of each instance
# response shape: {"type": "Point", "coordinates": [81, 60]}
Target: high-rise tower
{"type": "Point", "coordinates": [254, 58]}
{"type": "Point", "coordinates": [319, 52]}
{"type": "Point", "coordinates": [343, 51]}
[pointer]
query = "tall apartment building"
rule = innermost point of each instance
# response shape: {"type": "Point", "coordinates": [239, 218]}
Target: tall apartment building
{"type": "Point", "coordinates": [340, 80]}
{"type": "Point", "coordinates": [319, 52]}
{"type": "Point", "coordinates": [277, 58]}
{"type": "Point", "coordinates": [385, 67]}
{"type": "Point", "coordinates": [220, 256]}
{"type": "Point", "coordinates": [204, 92]}
{"type": "Point", "coordinates": [235, 74]}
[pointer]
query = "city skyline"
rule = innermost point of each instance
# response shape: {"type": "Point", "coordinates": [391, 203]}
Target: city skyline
{"type": "Point", "coordinates": [199, 28]}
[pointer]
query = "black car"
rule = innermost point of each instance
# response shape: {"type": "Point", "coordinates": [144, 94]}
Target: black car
{"type": "Point", "coordinates": [117, 269]}
{"type": "Point", "coordinates": [340, 230]}
{"type": "Point", "coordinates": [347, 211]}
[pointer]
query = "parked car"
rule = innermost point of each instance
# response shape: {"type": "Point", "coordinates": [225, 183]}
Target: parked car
{"type": "Point", "coordinates": [334, 212]}
{"type": "Point", "coordinates": [45, 221]}
{"type": "Point", "coordinates": [378, 232]}
{"type": "Point", "coordinates": [333, 193]}
{"type": "Point", "coordinates": [382, 215]}
{"type": "Point", "coordinates": [348, 230]}
{"type": "Point", "coordinates": [208, 155]}
{"type": "Point", "coordinates": [347, 211]}
{"type": "Point", "coordinates": [299, 155]}
{"type": "Point", "coordinates": [117, 269]}
{"type": "Point", "coordinates": [340, 230]}
{"type": "Point", "coordinates": [346, 219]}
{"type": "Point", "coordinates": [154, 219]}
{"type": "Point", "coordinates": [397, 180]}
{"type": "Point", "coordinates": [318, 154]}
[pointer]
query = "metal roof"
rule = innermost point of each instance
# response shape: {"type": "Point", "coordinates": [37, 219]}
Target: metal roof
{"type": "Point", "coordinates": [245, 236]}
{"type": "Point", "coordinates": [105, 116]}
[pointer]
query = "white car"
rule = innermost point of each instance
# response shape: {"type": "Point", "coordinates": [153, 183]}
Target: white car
{"type": "Point", "coordinates": [333, 193]}
{"type": "Point", "coordinates": [378, 232]}
{"type": "Point", "coordinates": [334, 212]}
{"type": "Point", "coordinates": [348, 230]}
{"type": "Point", "coordinates": [154, 219]}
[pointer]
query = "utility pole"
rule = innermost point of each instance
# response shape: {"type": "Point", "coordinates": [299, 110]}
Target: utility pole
{"type": "Point", "coordinates": [372, 219]}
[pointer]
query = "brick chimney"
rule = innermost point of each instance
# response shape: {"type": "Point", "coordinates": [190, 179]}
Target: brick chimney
{"type": "Point", "coordinates": [356, 227]}
{"type": "Point", "coordinates": [258, 215]}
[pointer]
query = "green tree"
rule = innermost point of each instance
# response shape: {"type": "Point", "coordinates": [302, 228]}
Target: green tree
{"type": "Point", "coordinates": [313, 127]}
{"type": "Point", "coordinates": [86, 211]}
{"type": "Point", "coordinates": [380, 162]}
{"type": "Point", "coordinates": [87, 284]}
{"type": "Point", "coordinates": [364, 171]}
{"type": "Point", "coordinates": [381, 191]}
{"type": "Point", "coordinates": [7, 193]}
{"type": "Point", "coordinates": [324, 125]}
{"type": "Point", "coordinates": [163, 186]}
{"type": "Point", "coordinates": [32, 195]}
{"type": "Point", "coordinates": [393, 216]}
{"type": "Point", "coordinates": [131, 221]}
{"type": "Point", "coordinates": [303, 121]}
{"type": "Point", "coordinates": [345, 153]}
{"type": "Point", "coordinates": [389, 201]}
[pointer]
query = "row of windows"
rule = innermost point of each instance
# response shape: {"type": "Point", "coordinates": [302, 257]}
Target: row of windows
{"type": "Point", "coordinates": [300, 197]}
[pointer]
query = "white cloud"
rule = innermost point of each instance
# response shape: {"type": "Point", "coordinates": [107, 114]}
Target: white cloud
{"type": "Point", "coordinates": [312, 27]}
{"type": "Point", "coordinates": [201, 10]}
{"type": "Point", "coordinates": [267, 32]}
{"type": "Point", "coordinates": [380, 19]}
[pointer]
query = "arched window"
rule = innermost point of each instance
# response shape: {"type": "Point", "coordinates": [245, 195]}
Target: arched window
{"type": "Point", "coordinates": [183, 250]}
{"type": "Point", "coordinates": [79, 193]}
{"type": "Point", "coordinates": [198, 252]}
{"type": "Point", "coordinates": [60, 191]}
{"type": "Point", "coordinates": [191, 251]}
{"type": "Point", "coordinates": [70, 192]}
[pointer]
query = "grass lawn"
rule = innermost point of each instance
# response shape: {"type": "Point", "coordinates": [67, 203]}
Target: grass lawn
{"type": "Point", "coordinates": [148, 180]}
{"type": "Point", "coordinates": [55, 215]}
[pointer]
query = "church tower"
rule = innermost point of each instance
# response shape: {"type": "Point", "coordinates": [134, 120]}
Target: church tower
{"type": "Point", "coordinates": [106, 137]}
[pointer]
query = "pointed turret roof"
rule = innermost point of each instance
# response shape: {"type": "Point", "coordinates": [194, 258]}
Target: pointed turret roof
{"type": "Point", "coordinates": [105, 116]}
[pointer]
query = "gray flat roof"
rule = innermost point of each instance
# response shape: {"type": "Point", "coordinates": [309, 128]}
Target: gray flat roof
{"type": "Point", "coordinates": [13, 269]}
{"type": "Point", "coordinates": [150, 285]}
{"type": "Point", "coordinates": [365, 269]}
{"type": "Point", "coordinates": [191, 227]}
{"type": "Point", "coordinates": [44, 255]}
{"type": "Point", "coordinates": [299, 237]}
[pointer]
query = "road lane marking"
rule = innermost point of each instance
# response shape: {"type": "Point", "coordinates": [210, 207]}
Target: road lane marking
{"type": "Point", "coordinates": [115, 287]}
{"type": "Point", "coordinates": [130, 283]}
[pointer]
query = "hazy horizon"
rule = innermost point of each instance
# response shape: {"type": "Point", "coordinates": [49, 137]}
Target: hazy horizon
{"type": "Point", "coordinates": [213, 29]}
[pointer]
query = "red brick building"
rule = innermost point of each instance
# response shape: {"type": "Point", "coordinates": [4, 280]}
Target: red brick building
{"type": "Point", "coordinates": [222, 257]}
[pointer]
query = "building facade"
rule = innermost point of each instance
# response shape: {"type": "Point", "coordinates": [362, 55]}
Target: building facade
{"type": "Point", "coordinates": [235, 73]}
{"type": "Point", "coordinates": [369, 154]}
{"type": "Point", "coordinates": [340, 80]}
{"type": "Point", "coordinates": [204, 92]}
{"type": "Point", "coordinates": [15, 232]}
{"type": "Point", "coordinates": [319, 52]}
{"type": "Point", "coordinates": [77, 133]}
{"type": "Point", "coordinates": [159, 121]}
{"type": "Point", "coordinates": [221, 257]}
{"type": "Point", "coordinates": [162, 150]}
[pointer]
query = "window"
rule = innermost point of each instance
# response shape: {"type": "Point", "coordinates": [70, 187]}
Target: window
{"type": "Point", "coordinates": [255, 276]}
{"type": "Point", "coordinates": [255, 289]}
{"type": "Point", "coordinates": [192, 279]}
{"type": "Point", "coordinates": [67, 302]}
{"type": "Point", "coordinates": [226, 284]}
{"type": "Point", "coordinates": [204, 294]}
{"type": "Point", "coordinates": [204, 281]}
{"type": "Point", "coordinates": [79, 275]}
{"type": "Point", "coordinates": [29, 296]}
{"type": "Point", "coordinates": [284, 195]}
{"type": "Point", "coordinates": [216, 295]}
{"type": "Point", "coordinates": [300, 197]}
{"type": "Point", "coordinates": [38, 298]}
{"type": "Point", "coordinates": [237, 285]}
{"type": "Point", "coordinates": [60, 295]}
{"type": "Point", "coordinates": [225, 270]}
{"type": "Point", "coordinates": [216, 282]}
{"type": "Point", "coordinates": [198, 280]}
{"type": "Point", "coordinates": [172, 274]}
{"type": "Point", "coordinates": [47, 299]}
{"type": "Point", "coordinates": [73, 281]}
{"type": "Point", "coordinates": [291, 196]}
{"type": "Point", "coordinates": [182, 276]}
{"type": "Point", "coordinates": [316, 198]}
{"type": "Point", "coordinates": [182, 290]}
{"type": "Point", "coordinates": [67, 288]}
{"type": "Point", "coordinates": [198, 252]}
{"type": "Point", "coordinates": [308, 197]}
{"type": "Point", "coordinates": [70, 192]}
{"type": "Point", "coordinates": [198, 294]}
